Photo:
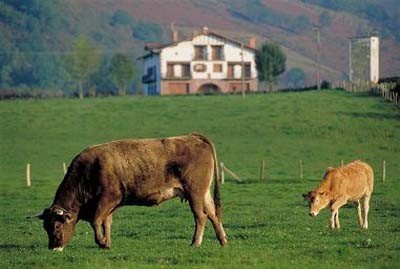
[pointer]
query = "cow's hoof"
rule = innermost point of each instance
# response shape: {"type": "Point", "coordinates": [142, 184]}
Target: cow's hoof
{"type": "Point", "coordinates": [105, 247]}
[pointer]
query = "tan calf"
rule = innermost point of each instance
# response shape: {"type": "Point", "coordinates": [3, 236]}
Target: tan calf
{"type": "Point", "coordinates": [349, 183]}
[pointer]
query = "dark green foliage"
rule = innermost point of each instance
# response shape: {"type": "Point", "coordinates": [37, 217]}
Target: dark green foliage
{"type": "Point", "coordinates": [122, 71]}
{"type": "Point", "coordinates": [102, 78]}
{"type": "Point", "coordinates": [121, 18]}
{"type": "Point", "coordinates": [147, 32]}
{"type": "Point", "coordinates": [369, 9]}
{"type": "Point", "coordinates": [271, 62]}
{"type": "Point", "coordinates": [295, 77]}
{"type": "Point", "coordinates": [255, 11]}
{"type": "Point", "coordinates": [27, 55]}
{"type": "Point", "coordinates": [81, 62]}
{"type": "Point", "coordinates": [325, 19]}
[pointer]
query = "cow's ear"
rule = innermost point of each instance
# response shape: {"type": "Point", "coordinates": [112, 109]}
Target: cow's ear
{"type": "Point", "coordinates": [43, 214]}
{"type": "Point", "coordinates": [68, 217]}
{"type": "Point", "coordinates": [323, 193]}
{"type": "Point", "coordinates": [39, 216]}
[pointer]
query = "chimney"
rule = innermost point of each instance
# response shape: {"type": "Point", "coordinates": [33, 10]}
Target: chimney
{"type": "Point", "coordinates": [252, 43]}
{"type": "Point", "coordinates": [174, 32]}
{"type": "Point", "coordinates": [205, 30]}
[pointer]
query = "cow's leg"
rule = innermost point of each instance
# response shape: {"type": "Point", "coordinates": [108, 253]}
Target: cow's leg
{"type": "Point", "coordinates": [107, 231]}
{"type": "Point", "coordinates": [366, 209]}
{"type": "Point", "coordinates": [360, 219]}
{"type": "Point", "coordinates": [216, 222]}
{"type": "Point", "coordinates": [102, 222]}
{"type": "Point", "coordinates": [98, 232]}
{"type": "Point", "coordinates": [335, 212]}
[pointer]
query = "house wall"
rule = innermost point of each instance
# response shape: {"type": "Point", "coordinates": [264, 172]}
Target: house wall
{"type": "Point", "coordinates": [184, 52]}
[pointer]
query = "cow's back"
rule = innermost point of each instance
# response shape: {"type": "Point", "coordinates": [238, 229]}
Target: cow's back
{"type": "Point", "coordinates": [353, 180]}
{"type": "Point", "coordinates": [136, 168]}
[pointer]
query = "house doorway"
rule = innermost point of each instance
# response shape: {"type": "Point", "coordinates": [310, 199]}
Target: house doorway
{"type": "Point", "coordinates": [209, 88]}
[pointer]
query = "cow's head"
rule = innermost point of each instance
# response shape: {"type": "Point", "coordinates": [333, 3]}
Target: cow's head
{"type": "Point", "coordinates": [59, 225]}
{"type": "Point", "coordinates": [316, 201]}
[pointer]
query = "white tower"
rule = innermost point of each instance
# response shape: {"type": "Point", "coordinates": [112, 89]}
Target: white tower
{"type": "Point", "coordinates": [364, 59]}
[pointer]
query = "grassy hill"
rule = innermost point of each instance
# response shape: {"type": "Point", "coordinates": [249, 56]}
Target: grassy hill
{"type": "Point", "coordinates": [267, 222]}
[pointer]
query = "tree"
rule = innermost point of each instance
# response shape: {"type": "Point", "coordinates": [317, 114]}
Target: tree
{"type": "Point", "coordinates": [271, 62]}
{"type": "Point", "coordinates": [82, 62]}
{"type": "Point", "coordinates": [122, 71]}
{"type": "Point", "coordinates": [296, 77]}
{"type": "Point", "coordinates": [122, 18]}
{"type": "Point", "coordinates": [325, 19]}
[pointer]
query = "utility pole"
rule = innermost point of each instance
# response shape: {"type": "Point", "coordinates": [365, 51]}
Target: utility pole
{"type": "Point", "coordinates": [318, 65]}
{"type": "Point", "coordinates": [350, 60]}
{"type": "Point", "coordinates": [243, 84]}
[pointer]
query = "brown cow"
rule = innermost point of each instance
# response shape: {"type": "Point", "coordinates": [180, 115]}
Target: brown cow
{"type": "Point", "coordinates": [135, 172]}
{"type": "Point", "coordinates": [348, 183]}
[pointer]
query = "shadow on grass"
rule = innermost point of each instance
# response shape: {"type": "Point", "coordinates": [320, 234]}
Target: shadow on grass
{"type": "Point", "coordinates": [370, 115]}
{"type": "Point", "coordinates": [247, 226]}
{"type": "Point", "coordinates": [12, 247]}
{"type": "Point", "coordinates": [292, 180]}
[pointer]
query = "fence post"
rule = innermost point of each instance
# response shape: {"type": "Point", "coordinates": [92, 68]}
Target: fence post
{"type": "Point", "coordinates": [383, 170]}
{"type": "Point", "coordinates": [301, 169]}
{"type": "Point", "coordinates": [341, 163]}
{"type": "Point", "coordinates": [222, 173]}
{"type": "Point", "coordinates": [28, 174]}
{"type": "Point", "coordinates": [262, 170]}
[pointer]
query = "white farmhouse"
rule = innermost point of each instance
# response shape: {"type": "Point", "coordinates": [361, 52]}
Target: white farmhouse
{"type": "Point", "coordinates": [206, 63]}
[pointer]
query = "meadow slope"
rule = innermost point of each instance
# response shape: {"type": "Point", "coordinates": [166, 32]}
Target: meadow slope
{"type": "Point", "coordinates": [267, 222]}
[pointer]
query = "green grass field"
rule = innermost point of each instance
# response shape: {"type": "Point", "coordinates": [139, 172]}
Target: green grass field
{"type": "Point", "coordinates": [267, 222]}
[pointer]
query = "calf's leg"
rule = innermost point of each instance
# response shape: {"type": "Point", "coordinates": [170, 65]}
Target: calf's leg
{"type": "Point", "coordinates": [360, 219]}
{"type": "Point", "coordinates": [366, 209]}
{"type": "Point", "coordinates": [200, 218]}
{"type": "Point", "coordinates": [216, 222]}
{"type": "Point", "coordinates": [337, 224]}
{"type": "Point", "coordinates": [334, 220]}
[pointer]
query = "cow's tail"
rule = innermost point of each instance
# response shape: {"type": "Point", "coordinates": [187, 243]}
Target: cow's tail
{"type": "Point", "coordinates": [217, 197]}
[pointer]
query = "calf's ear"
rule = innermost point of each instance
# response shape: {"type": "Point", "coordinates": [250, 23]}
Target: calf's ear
{"type": "Point", "coordinates": [306, 196]}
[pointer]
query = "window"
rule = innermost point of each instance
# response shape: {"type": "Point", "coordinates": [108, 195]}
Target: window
{"type": "Point", "coordinates": [230, 70]}
{"type": "Point", "coordinates": [217, 68]}
{"type": "Point", "coordinates": [217, 52]}
{"type": "Point", "coordinates": [200, 52]}
{"type": "Point", "coordinates": [186, 70]}
{"type": "Point", "coordinates": [247, 70]}
{"type": "Point", "coordinates": [178, 70]}
{"type": "Point", "coordinates": [170, 70]}
{"type": "Point", "coordinates": [200, 68]}
{"type": "Point", "coordinates": [235, 70]}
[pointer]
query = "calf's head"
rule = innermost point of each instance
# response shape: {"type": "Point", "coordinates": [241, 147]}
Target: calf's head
{"type": "Point", "coordinates": [316, 201]}
{"type": "Point", "coordinates": [59, 226]}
